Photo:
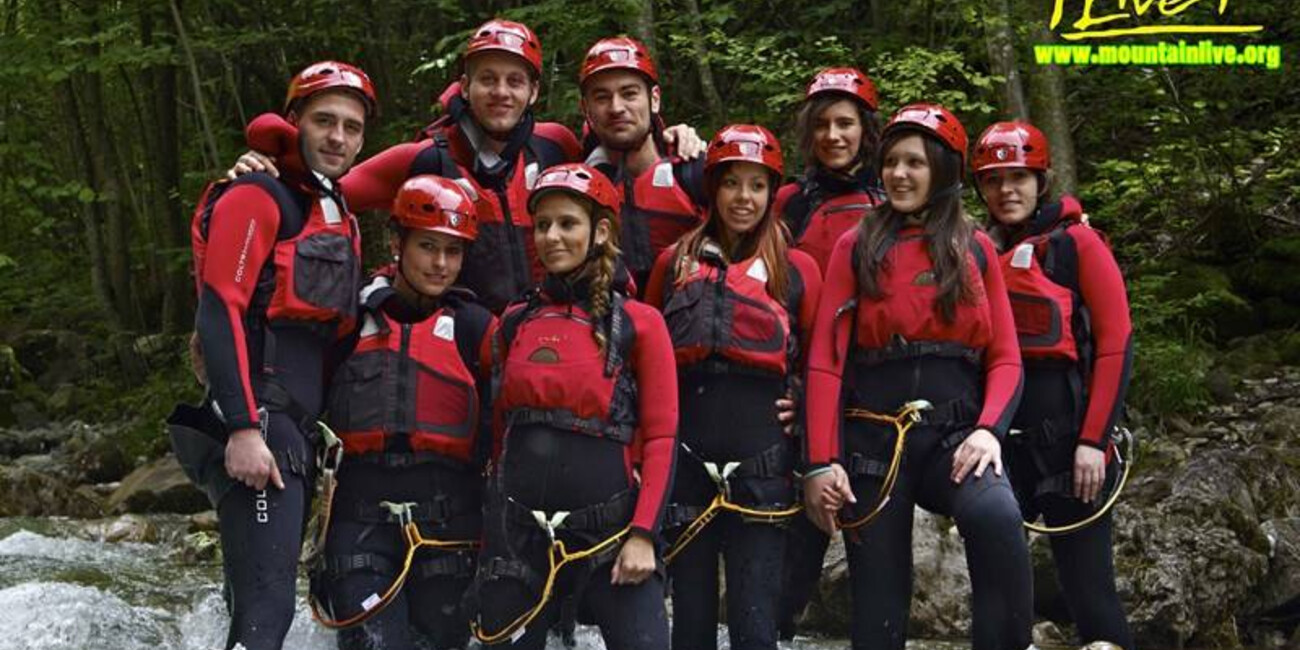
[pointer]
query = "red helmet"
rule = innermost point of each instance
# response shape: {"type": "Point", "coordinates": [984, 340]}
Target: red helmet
{"type": "Point", "coordinates": [745, 143]}
{"type": "Point", "coordinates": [933, 119]}
{"type": "Point", "coordinates": [429, 202]}
{"type": "Point", "coordinates": [1011, 144]}
{"type": "Point", "coordinates": [509, 37]}
{"type": "Point", "coordinates": [849, 81]}
{"type": "Point", "coordinates": [618, 53]}
{"type": "Point", "coordinates": [331, 74]}
{"type": "Point", "coordinates": [578, 179]}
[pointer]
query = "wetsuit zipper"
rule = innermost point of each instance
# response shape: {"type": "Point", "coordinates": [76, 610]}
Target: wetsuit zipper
{"type": "Point", "coordinates": [403, 370]}
{"type": "Point", "coordinates": [720, 307]}
{"type": "Point", "coordinates": [516, 250]}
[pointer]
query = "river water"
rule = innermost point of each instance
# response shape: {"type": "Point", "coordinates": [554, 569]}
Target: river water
{"type": "Point", "coordinates": [62, 589]}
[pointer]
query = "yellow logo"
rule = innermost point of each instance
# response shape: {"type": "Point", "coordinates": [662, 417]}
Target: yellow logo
{"type": "Point", "coordinates": [1124, 20]}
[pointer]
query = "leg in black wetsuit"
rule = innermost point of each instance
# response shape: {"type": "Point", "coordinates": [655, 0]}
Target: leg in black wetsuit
{"type": "Point", "coordinates": [804, 554]}
{"type": "Point", "coordinates": [261, 537]}
{"type": "Point", "coordinates": [426, 613]}
{"type": "Point", "coordinates": [752, 555]}
{"type": "Point", "coordinates": [1084, 559]}
{"type": "Point", "coordinates": [728, 417]}
{"type": "Point", "coordinates": [989, 521]}
{"type": "Point", "coordinates": [554, 471]}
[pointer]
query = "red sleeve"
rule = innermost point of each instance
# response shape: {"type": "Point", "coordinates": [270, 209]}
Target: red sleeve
{"type": "Point", "coordinates": [806, 266]}
{"type": "Point", "coordinates": [373, 184]}
{"type": "Point", "coordinates": [1003, 373]}
{"type": "Point", "coordinates": [654, 288]}
{"type": "Point", "coordinates": [828, 351]}
{"type": "Point", "coordinates": [656, 380]}
{"type": "Point", "coordinates": [782, 197]}
{"type": "Point", "coordinates": [562, 137]}
{"type": "Point", "coordinates": [1103, 291]}
{"type": "Point", "coordinates": [241, 237]}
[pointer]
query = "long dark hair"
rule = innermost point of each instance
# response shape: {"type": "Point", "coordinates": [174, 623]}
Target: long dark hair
{"type": "Point", "coordinates": [806, 124]}
{"type": "Point", "coordinates": [768, 240]}
{"type": "Point", "coordinates": [948, 232]}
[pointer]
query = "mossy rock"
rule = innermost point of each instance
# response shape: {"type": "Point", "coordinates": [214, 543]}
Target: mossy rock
{"type": "Point", "coordinates": [1210, 298]}
{"type": "Point", "coordinates": [1276, 313]}
{"type": "Point", "coordinates": [1268, 277]}
{"type": "Point", "coordinates": [1282, 249]}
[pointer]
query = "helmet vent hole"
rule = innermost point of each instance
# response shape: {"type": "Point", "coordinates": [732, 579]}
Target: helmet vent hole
{"type": "Point", "coordinates": [429, 207]}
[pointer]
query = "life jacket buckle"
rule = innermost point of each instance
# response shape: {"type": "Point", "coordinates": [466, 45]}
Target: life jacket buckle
{"type": "Point", "coordinates": [551, 522]}
{"type": "Point", "coordinates": [400, 511]}
{"type": "Point", "coordinates": [912, 410]}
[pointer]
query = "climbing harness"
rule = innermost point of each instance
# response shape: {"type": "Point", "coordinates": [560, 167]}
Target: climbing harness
{"type": "Point", "coordinates": [1123, 437]}
{"type": "Point", "coordinates": [331, 456]}
{"type": "Point", "coordinates": [903, 421]}
{"type": "Point", "coordinates": [722, 502]}
{"type": "Point", "coordinates": [558, 556]}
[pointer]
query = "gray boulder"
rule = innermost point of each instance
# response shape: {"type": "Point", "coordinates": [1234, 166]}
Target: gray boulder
{"type": "Point", "coordinates": [158, 486]}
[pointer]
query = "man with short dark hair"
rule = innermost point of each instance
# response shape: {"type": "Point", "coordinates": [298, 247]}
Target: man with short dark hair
{"type": "Point", "coordinates": [277, 264]}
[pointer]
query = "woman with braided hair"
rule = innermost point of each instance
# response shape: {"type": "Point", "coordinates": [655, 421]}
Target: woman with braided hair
{"type": "Point", "coordinates": [585, 422]}
{"type": "Point", "coordinates": [738, 302]}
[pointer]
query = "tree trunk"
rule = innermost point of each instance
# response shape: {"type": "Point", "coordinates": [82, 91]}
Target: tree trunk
{"type": "Point", "coordinates": [108, 204]}
{"type": "Point", "coordinates": [643, 26]}
{"type": "Point", "coordinates": [1047, 91]}
{"type": "Point", "coordinates": [214, 154]}
{"type": "Point", "coordinates": [164, 165]}
{"type": "Point", "coordinates": [716, 108]}
{"type": "Point", "coordinates": [878, 26]}
{"type": "Point", "coordinates": [1001, 43]}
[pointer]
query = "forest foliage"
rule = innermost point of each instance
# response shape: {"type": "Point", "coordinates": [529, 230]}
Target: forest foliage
{"type": "Point", "coordinates": [116, 113]}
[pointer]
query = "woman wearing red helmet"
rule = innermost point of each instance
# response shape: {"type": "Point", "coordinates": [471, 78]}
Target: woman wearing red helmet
{"type": "Point", "coordinates": [585, 422]}
{"type": "Point", "coordinates": [407, 402]}
{"type": "Point", "coordinates": [738, 303]}
{"type": "Point", "coordinates": [914, 375]}
{"type": "Point", "coordinates": [838, 134]}
{"type": "Point", "coordinates": [1072, 318]}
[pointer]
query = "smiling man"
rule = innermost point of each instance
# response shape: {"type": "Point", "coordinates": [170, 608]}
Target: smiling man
{"type": "Point", "coordinates": [662, 193]}
{"type": "Point", "coordinates": [277, 262]}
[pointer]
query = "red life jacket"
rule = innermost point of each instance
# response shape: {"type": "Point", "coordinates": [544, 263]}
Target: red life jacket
{"type": "Point", "coordinates": [550, 371]}
{"type": "Point", "coordinates": [407, 387]}
{"type": "Point", "coordinates": [1041, 273]}
{"type": "Point", "coordinates": [659, 206]}
{"type": "Point", "coordinates": [502, 262]}
{"type": "Point", "coordinates": [903, 322]}
{"type": "Point", "coordinates": [725, 311]}
{"type": "Point", "coordinates": [314, 272]}
{"type": "Point", "coordinates": [816, 222]}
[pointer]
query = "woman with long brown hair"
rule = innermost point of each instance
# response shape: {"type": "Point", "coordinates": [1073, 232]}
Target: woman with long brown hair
{"type": "Point", "coordinates": [914, 375]}
{"type": "Point", "coordinates": [738, 302]}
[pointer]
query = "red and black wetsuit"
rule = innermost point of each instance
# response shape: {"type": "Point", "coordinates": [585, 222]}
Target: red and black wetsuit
{"type": "Point", "coordinates": [501, 263]}
{"type": "Point", "coordinates": [410, 401]}
{"type": "Point", "coordinates": [278, 271]}
{"type": "Point", "coordinates": [883, 353]}
{"type": "Point", "coordinates": [738, 350]}
{"type": "Point", "coordinates": [1076, 337]}
{"type": "Point", "coordinates": [660, 205]}
{"type": "Point", "coordinates": [823, 205]}
{"type": "Point", "coordinates": [585, 433]}
{"type": "Point", "coordinates": [818, 208]}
